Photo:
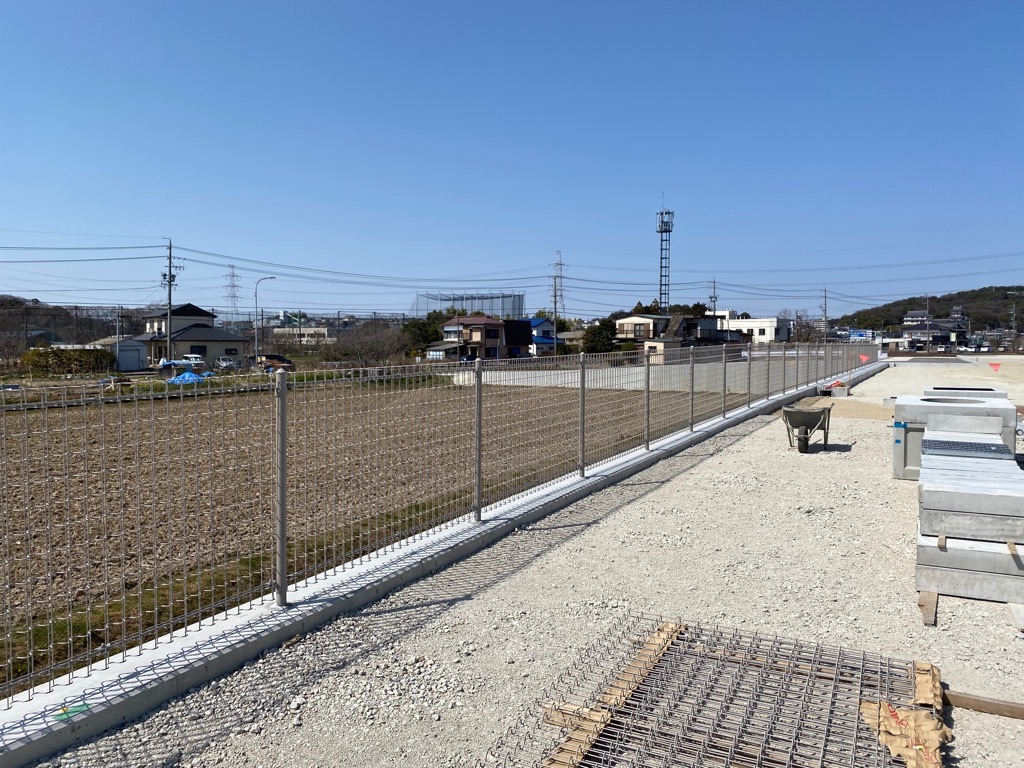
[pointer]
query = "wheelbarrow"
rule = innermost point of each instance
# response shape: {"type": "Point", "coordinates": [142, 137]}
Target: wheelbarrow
{"type": "Point", "coordinates": [802, 423]}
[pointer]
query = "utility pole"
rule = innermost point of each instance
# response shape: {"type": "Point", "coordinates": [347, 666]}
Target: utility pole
{"type": "Point", "coordinates": [556, 291]}
{"type": "Point", "coordinates": [824, 318]}
{"type": "Point", "coordinates": [168, 280]}
{"type": "Point", "coordinates": [928, 322]}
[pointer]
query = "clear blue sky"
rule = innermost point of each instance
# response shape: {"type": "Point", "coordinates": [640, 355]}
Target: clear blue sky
{"type": "Point", "coordinates": [456, 146]}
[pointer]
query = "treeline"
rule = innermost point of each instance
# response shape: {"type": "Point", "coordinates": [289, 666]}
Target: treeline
{"type": "Point", "coordinates": [987, 308]}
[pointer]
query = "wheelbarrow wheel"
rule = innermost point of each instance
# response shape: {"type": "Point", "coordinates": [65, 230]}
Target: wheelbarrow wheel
{"type": "Point", "coordinates": [803, 438]}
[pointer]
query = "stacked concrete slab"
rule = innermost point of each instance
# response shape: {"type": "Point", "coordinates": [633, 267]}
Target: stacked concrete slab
{"type": "Point", "coordinates": [971, 519]}
{"type": "Point", "coordinates": [955, 413]}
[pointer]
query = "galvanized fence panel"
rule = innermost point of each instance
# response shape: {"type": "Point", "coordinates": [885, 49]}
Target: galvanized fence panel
{"type": "Point", "coordinates": [614, 396]}
{"type": "Point", "coordinates": [130, 512]}
{"type": "Point", "coordinates": [127, 515]}
{"type": "Point", "coordinates": [531, 424]}
{"type": "Point", "coordinates": [671, 392]}
{"type": "Point", "coordinates": [375, 456]}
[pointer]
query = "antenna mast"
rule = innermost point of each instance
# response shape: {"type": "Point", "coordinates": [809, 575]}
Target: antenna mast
{"type": "Point", "coordinates": [665, 218]}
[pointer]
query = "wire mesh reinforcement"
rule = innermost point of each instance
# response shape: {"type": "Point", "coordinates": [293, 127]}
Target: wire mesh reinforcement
{"type": "Point", "coordinates": [657, 692]}
{"type": "Point", "coordinates": [132, 510]}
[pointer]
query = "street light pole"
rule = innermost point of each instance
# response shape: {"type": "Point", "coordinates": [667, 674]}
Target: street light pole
{"type": "Point", "coordinates": [256, 321]}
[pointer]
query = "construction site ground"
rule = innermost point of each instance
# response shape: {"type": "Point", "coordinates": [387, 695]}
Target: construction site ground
{"type": "Point", "coordinates": [740, 530]}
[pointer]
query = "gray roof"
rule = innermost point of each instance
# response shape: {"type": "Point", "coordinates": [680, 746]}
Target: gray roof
{"type": "Point", "coordinates": [203, 332]}
{"type": "Point", "coordinates": [182, 310]}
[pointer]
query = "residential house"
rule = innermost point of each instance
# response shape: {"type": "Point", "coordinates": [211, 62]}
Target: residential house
{"type": "Point", "coordinates": [639, 327]}
{"type": "Point", "coordinates": [916, 316]}
{"type": "Point", "coordinates": [483, 336]}
{"type": "Point", "coordinates": [756, 330]}
{"type": "Point", "coordinates": [192, 332]}
{"type": "Point", "coordinates": [542, 343]}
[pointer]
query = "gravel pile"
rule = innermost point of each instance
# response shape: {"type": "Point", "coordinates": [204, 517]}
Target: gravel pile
{"type": "Point", "coordinates": [740, 531]}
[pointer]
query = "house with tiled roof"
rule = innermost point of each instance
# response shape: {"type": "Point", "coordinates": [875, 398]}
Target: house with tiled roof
{"type": "Point", "coordinates": [481, 336]}
{"type": "Point", "coordinates": [192, 332]}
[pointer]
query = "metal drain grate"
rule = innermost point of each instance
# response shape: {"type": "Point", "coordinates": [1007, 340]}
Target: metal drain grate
{"type": "Point", "coordinates": [664, 693]}
{"type": "Point", "coordinates": [971, 450]}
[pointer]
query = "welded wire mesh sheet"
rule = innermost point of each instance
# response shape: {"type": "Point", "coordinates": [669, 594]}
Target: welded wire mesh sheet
{"type": "Point", "coordinates": [375, 455]}
{"type": "Point", "coordinates": [659, 692]}
{"type": "Point", "coordinates": [128, 512]}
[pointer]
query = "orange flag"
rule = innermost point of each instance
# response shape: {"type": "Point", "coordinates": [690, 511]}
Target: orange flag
{"type": "Point", "coordinates": [863, 358]}
{"type": "Point", "coordinates": [994, 366]}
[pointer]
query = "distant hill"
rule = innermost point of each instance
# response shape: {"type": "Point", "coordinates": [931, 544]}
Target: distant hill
{"type": "Point", "coordinates": [986, 307]}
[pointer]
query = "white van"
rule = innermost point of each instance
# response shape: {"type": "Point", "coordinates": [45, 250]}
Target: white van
{"type": "Point", "coordinates": [196, 361]}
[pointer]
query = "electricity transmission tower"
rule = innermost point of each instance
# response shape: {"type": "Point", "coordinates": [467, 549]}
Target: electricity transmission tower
{"type": "Point", "coordinates": [231, 292]}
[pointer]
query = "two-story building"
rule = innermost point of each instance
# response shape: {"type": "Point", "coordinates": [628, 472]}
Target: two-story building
{"type": "Point", "coordinates": [481, 336]}
{"type": "Point", "coordinates": [756, 330]}
{"type": "Point", "coordinates": [640, 327]}
{"type": "Point", "coordinates": [542, 343]}
{"type": "Point", "coordinates": [191, 332]}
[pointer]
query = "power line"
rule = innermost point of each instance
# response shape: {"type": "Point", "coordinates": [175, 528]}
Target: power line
{"type": "Point", "coordinates": [77, 248]}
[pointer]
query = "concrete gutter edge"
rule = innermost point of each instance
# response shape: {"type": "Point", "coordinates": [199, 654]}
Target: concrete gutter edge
{"type": "Point", "coordinates": [323, 604]}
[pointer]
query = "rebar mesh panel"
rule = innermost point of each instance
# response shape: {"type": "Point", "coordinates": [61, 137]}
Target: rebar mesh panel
{"type": "Point", "coordinates": [709, 696]}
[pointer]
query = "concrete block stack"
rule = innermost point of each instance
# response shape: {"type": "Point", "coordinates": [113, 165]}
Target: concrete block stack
{"type": "Point", "coordinates": [971, 494]}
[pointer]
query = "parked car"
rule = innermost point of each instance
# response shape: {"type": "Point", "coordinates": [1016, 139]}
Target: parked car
{"type": "Point", "coordinates": [196, 361]}
{"type": "Point", "coordinates": [468, 359]}
{"type": "Point", "coordinates": [226, 363]}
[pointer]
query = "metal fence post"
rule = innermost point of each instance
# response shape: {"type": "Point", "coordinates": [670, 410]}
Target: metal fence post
{"type": "Point", "coordinates": [693, 375]}
{"type": "Point", "coordinates": [583, 415]}
{"type": "Point", "coordinates": [478, 481]}
{"type": "Point", "coordinates": [784, 363]}
{"type": "Point", "coordinates": [725, 378]}
{"type": "Point", "coordinates": [768, 372]}
{"type": "Point", "coordinates": [796, 383]}
{"type": "Point", "coordinates": [750, 362]}
{"type": "Point", "coordinates": [647, 398]}
{"type": "Point", "coordinates": [281, 507]}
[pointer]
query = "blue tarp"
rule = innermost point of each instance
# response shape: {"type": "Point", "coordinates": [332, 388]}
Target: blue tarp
{"type": "Point", "coordinates": [185, 378]}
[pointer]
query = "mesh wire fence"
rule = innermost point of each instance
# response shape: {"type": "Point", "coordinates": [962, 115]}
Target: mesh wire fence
{"type": "Point", "coordinates": [126, 517]}
{"type": "Point", "coordinates": [375, 456]}
{"type": "Point", "coordinates": [133, 510]}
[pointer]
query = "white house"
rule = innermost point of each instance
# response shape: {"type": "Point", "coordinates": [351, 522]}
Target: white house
{"type": "Point", "coordinates": [761, 330]}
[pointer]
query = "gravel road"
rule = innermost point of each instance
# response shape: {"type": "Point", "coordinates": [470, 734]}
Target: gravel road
{"type": "Point", "coordinates": [739, 530]}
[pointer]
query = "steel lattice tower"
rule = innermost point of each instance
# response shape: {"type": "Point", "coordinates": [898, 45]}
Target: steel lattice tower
{"type": "Point", "coordinates": [665, 230]}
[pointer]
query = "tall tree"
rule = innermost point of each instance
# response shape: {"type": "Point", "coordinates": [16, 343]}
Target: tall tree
{"type": "Point", "coordinates": [600, 337]}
